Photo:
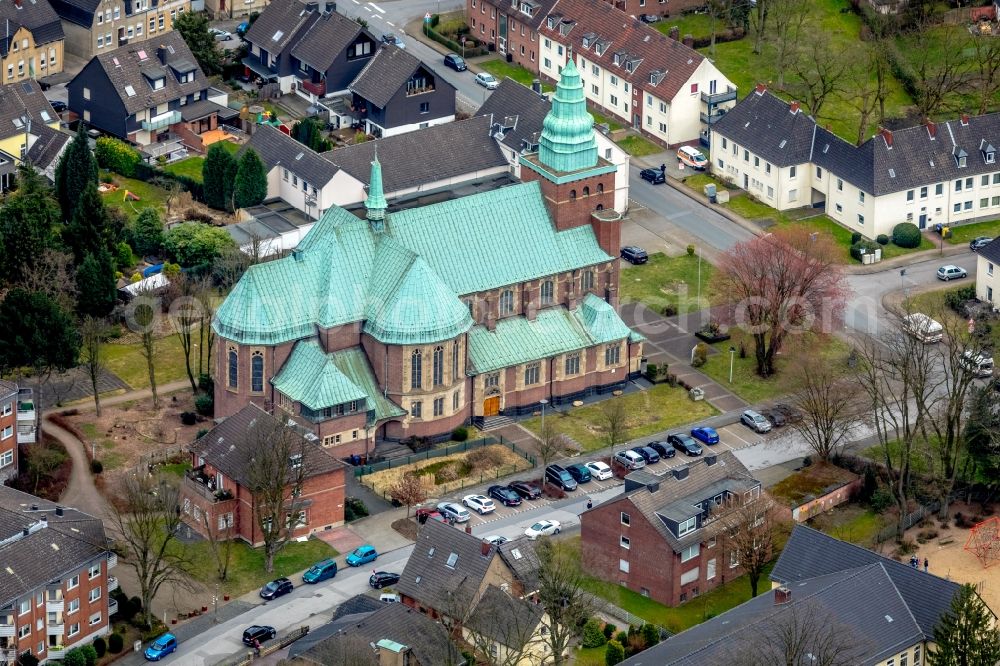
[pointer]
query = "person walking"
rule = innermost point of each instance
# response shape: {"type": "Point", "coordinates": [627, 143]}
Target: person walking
{"type": "Point", "coordinates": [590, 504]}
{"type": "Point", "coordinates": [926, 565]}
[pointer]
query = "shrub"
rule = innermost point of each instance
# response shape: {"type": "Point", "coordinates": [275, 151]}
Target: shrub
{"type": "Point", "coordinates": [96, 467]}
{"type": "Point", "coordinates": [354, 509]}
{"type": "Point", "coordinates": [592, 635]}
{"type": "Point", "coordinates": [669, 310]}
{"type": "Point", "coordinates": [882, 239]}
{"type": "Point", "coordinates": [189, 418]}
{"type": "Point", "coordinates": [460, 434]}
{"type": "Point", "coordinates": [485, 458]}
{"type": "Point", "coordinates": [201, 433]}
{"type": "Point", "coordinates": [866, 245]}
{"type": "Point", "coordinates": [700, 355]}
{"type": "Point", "coordinates": [609, 631]}
{"type": "Point", "coordinates": [650, 634]}
{"type": "Point", "coordinates": [855, 237]}
{"type": "Point", "coordinates": [100, 646]}
{"type": "Point", "coordinates": [115, 643]}
{"type": "Point", "coordinates": [75, 657]}
{"type": "Point", "coordinates": [206, 383]}
{"type": "Point", "coordinates": [116, 155]}
{"type": "Point", "coordinates": [957, 298]}
{"type": "Point", "coordinates": [690, 250]}
{"type": "Point", "coordinates": [204, 404]}
{"type": "Point", "coordinates": [27, 659]}
{"type": "Point", "coordinates": [622, 638]}
{"type": "Point", "coordinates": [881, 500]}
{"type": "Point", "coordinates": [614, 653]}
{"type": "Point", "coordinates": [906, 234]}
{"type": "Point", "coordinates": [107, 178]}
{"type": "Point", "coordinates": [90, 654]}
{"type": "Point", "coordinates": [906, 547]}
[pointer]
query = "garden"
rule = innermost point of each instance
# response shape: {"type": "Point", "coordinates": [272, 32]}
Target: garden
{"type": "Point", "coordinates": [670, 285]}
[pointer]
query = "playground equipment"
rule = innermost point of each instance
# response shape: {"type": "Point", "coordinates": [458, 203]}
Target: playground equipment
{"type": "Point", "coordinates": [984, 541]}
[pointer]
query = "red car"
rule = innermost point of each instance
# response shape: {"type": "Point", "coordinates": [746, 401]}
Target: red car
{"type": "Point", "coordinates": [425, 513]}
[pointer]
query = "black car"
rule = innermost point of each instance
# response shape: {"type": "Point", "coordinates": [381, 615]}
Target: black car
{"type": "Point", "coordinates": [579, 472]}
{"type": "Point", "coordinates": [276, 588]}
{"type": "Point", "coordinates": [686, 444]}
{"type": "Point", "coordinates": [634, 255]}
{"type": "Point", "coordinates": [654, 176]}
{"type": "Point", "coordinates": [975, 244]}
{"type": "Point", "coordinates": [380, 579]}
{"type": "Point", "coordinates": [528, 491]}
{"type": "Point", "coordinates": [664, 449]}
{"type": "Point", "coordinates": [774, 416]}
{"type": "Point", "coordinates": [58, 106]}
{"type": "Point", "coordinates": [648, 454]}
{"type": "Point", "coordinates": [791, 414]}
{"type": "Point", "coordinates": [505, 495]}
{"type": "Point", "coordinates": [560, 478]}
{"type": "Point", "coordinates": [456, 62]}
{"type": "Point", "coordinates": [258, 632]}
{"type": "Point", "coordinates": [391, 39]}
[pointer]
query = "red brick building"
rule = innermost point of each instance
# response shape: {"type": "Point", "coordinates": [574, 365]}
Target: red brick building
{"type": "Point", "coordinates": [8, 428]}
{"type": "Point", "coordinates": [511, 28]}
{"type": "Point", "coordinates": [215, 495]}
{"type": "Point", "coordinates": [54, 582]}
{"type": "Point", "coordinates": [661, 538]}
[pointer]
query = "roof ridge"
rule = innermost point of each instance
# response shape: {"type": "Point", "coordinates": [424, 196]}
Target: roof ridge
{"type": "Point", "coordinates": [902, 599]}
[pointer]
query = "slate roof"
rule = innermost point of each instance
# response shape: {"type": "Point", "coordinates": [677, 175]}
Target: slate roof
{"type": "Point", "coordinates": [359, 603]}
{"type": "Point", "coordinates": [53, 548]}
{"type": "Point", "coordinates": [992, 251]}
{"type": "Point", "coordinates": [15, 99]}
{"type": "Point", "coordinates": [455, 149]}
{"type": "Point", "coordinates": [810, 553]}
{"type": "Point", "coordinates": [519, 110]}
{"type": "Point", "coordinates": [649, 49]}
{"type": "Point", "coordinates": [766, 126]}
{"type": "Point", "coordinates": [37, 16]}
{"type": "Point", "coordinates": [204, 108]}
{"type": "Point", "coordinates": [280, 21]}
{"type": "Point", "coordinates": [325, 39]}
{"type": "Point", "coordinates": [520, 557]}
{"type": "Point", "coordinates": [47, 147]}
{"type": "Point", "coordinates": [80, 12]}
{"type": "Point", "coordinates": [276, 148]}
{"type": "Point", "coordinates": [504, 619]}
{"type": "Point", "coordinates": [131, 64]}
{"type": "Point", "coordinates": [540, 9]}
{"type": "Point", "coordinates": [386, 73]}
{"type": "Point", "coordinates": [228, 446]}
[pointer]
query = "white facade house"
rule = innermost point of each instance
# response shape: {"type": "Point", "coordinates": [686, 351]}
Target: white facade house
{"type": "Point", "coordinates": [928, 174]}
{"type": "Point", "coordinates": [988, 274]}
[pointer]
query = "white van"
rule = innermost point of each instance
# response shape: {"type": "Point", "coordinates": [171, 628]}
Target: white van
{"type": "Point", "coordinates": [979, 365]}
{"type": "Point", "coordinates": [691, 157]}
{"type": "Point", "coordinates": [923, 328]}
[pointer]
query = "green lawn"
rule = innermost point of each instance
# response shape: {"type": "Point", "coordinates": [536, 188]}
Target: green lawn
{"type": "Point", "coordinates": [850, 522]}
{"type": "Point", "coordinates": [698, 180]}
{"type": "Point", "coordinates": [502, 69]}
{"type": "Point", "coordinates": [128, 363]}
{"type": "Point", "coordinates": [149, 195]}
{"type": "Point", "coordinates": [601, 118]}
{"type": "Point", "coordinates": [638, 146]}
{"type": "Point", "coordinates": [246, 567]}
{"type": "Point", "coordinates": [670, 281]}
{"type": "Point", "coordinates": [964, 233]}
{"type": "Point", "coordinates": [189, 166]}
{"type": "Point", "coordinates": [590, 656]}
{"type": "Point", "coordinates": [176, 469]}
{"type": "Point", "coordinates": [696, 25]}
{"type": "Point", "coordinates": [659, 408]}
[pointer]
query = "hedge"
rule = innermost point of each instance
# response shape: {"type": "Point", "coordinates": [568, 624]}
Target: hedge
{"type": "Point", "coordinates": [906, 234]}
{"type": "Point", "coordinates": [470, 52]}
{"type": "Point", "coordinates": [116, 155]}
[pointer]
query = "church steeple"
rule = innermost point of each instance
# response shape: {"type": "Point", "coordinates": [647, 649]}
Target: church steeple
{"type": "Point", "coordinates": [567, 142]}
{"type": "Point", "coordinates": [375, 202]}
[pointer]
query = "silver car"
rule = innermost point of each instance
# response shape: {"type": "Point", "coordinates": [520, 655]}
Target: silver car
{"type": "Point", "coordinates": [756, 421]}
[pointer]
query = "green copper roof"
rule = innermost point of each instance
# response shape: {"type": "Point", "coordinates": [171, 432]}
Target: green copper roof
{"type": "Point", "coordinates": [311, 377]}
{"type": "Point", "coordinates": [567, 142]}
{"type": "Point", "coordinates": [354, 364]}
{"type": "Point", "coordinates": [600, 320]}
{"type": "Point", "coordinates": [375, 201]}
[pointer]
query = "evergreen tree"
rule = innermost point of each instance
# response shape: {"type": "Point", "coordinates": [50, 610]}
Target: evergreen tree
{"type": "Point", "coordinates": [148, 232]}
{"type": "Point", "coordinates": [36, 333]}
{"type": "Point", "coordinates": [193, 28]}
{"type": "Point", "coordinates": [966, 636]}
{"type": "Point", "coordinates": [27, 220]}
{"type": "Point", "coordinates": [309, 133]}
{"type": "Point", "coordinates": [95, 283]}
{"type": "Point", "coordinates": [76, 169]}
{"type": "Point", "coordinates": [217, 175]}
{"type": "Point", "coordinates": [91, 228]}
{"type": "Point", "coordinates": [251, 181]}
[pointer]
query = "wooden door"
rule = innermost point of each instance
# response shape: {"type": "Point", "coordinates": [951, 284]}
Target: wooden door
{"type": "Point", "coordinates": [491, 406]}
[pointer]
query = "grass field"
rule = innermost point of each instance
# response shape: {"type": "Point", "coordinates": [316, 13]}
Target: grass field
{"type": "Point", "coordinates": [673, 281]}
{"type": "Point", "coordinates": [246, 567]}
{"type": "Point", "coordinates": [601, 118]}
{"type": "Point", "coordinates": [638, 146]}
{"type": "Point", "coordinates": [696, 25]}
{"type": "Point", "coordinates": [659, 408]}
{"type": "Point", "coordinates": [966, 232]}
{"type": "Point", "coordinates": [128, 363]}
{"type": "Point", "coordinates": [189, 166]}
{"type": "Point", "coordinates": [502, 70]}
{"type": "Point", "coordinates": [149, 195]}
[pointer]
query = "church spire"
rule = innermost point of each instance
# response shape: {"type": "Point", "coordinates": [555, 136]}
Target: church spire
{"type": "Point", "coordinates": [375, 201]}
{"type": "Point", "coordinates": [567, 142]}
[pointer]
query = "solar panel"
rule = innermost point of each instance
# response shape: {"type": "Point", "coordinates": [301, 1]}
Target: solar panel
{"type": "Point", "coordinates": [28, 89]}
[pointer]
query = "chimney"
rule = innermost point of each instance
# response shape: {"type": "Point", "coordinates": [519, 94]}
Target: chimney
{"type": "Point", "coordinates": [484, 548]}
{"type": "Point", "coordinates": [17, 3]}
{"type": "Point", "coordinates": [887, 135]}
{"type": "Point", "coordinates": [536, 86]}
{"type": "Point", "coordinates": [161, 54]}
{"type": "Point", "coordinates": [761, 89]}
{"type": "Point", "coordinates": [45, 518]}
{"type": "Point", "coordinates": [794, 108]}
{"type": "Point", "coordinates": [25, 532]}
{"type": "Point", "coordinates": [965, 120]}
{"type": "Point", "coordinates": [34, 507]}
{"type": "Point", "coordinates": [59, 511]}
{"type": "Point", "coordinates": [711, 460]}
{"type": "Point", "coordinates": [531, 311]}
{"type": "Point", "coordinates": [468, 528]}
{"type": "Point", "coordinates": [675, 33]}
{"type": "Point", "coordinates": [782, 595]}
{"type": "Point", "coordinates": [931, 128]}
{"type": "Point", "coordinates": [312, 6]}
{"type": "Point", "coordinates": [680, 472]}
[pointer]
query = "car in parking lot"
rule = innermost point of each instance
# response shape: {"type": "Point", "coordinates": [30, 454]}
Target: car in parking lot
{"type": "Point", "coordinates": [453, 512]}
{"type": "Point", "coordinates": [648, 454]}
{"type": "Point", "coordinates": [220, 34]}
{"type": "Point", "coordinates": [756, 421]}
{"type": "Point", "coordinates": [506, 496]}
{"type": "Point", "coordinates": [161, 647]}
{"type": "Point", "coordinates": [654, 176]}
{"type": "Point", "coordinates": [664, 449]}
{"type": "Point", "coordinates": [634, 255]}
{"type": "Point", "coordinates": [362, 555]}
{"type": "Point", "coordinates": [560, 478]}
{"type": "Point", "coordinates": [479, 503]}
{"type": "Point", "coordinates": [649, 18]}
{"type": "Point", "coordinates": [58, 105]}
{"type": "Point", "coordinates": [776, 418]}
{"type": "Point", "coordinates": [320, 571]}
{"type": "Point", "coordinates": [487, 80]}
{"type": "Point", "coordinates": [705, 434]}
{"type": "Point", "coordinates": [393, 40]}
{"type": "Point", "coordinates": [599, 470]}
{"type": "Point", "coordinates": [528, 491]}
{"type": "Point", "coordinates": [380, 579]}
{"type": "Point", "coordinates": [979, 243]}
{"type": "Point", "coordinates": [424, 514]}
{"type": "Point", "coordinates": [542, 528]}
{"type": "Point", "coordinates": [258, 633]}
{"type": "Point", "coordinates": [951, 272]}
{"type": "Point", "coordinates": [496, 539]}
{"type": "Point", "coordinates": [456, 62]}
{"type": "Point", "coordinates": [685, 444]}
{"type": "Point", "coordinates": [630, 460]}
{"type": "Point", "coordinates": [579, 472]}
{"type": "Point", "coordinates": [276, 588]}
{"type": "Point", "coordinates": [242, 28]}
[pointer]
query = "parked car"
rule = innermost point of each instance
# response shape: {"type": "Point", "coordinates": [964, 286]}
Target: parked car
{"type": "Point", "coordinates": [791, 414]}
{"type": "Point", "coordinates": [649, 18]}
{"type": "Point", "coordinates": [980, 365]}
{"type": "Point", "coordinates": [528, 491]}
{"type": "Point", "coordinates": [630, 460]}
{"type": "Point", "coordinates": [923, 328]}
{"type": "Point", "coordinates": [362, 555]}
{"type": "Point", "coordinates": [487, 80]}
{"type": "Point", "coordinates": [276, 588]}
{"type": "Point", "coordinates": [634, 255]}
{"type": "Point", "coordinates": [685, 444]}
{"type": "Point", "coordinates": [599, 470]}
{"type": "Point", "coordinates": [454, 512]}
{"type": "Point", "coordinates": [161, 647]}
{"type": "Point", "coordinates": [951, 272]}
{"type": "Point", "coordinates": [479, 503]}
{"type": "Point", "coordinates": [777, 419]}
{"type": "Point", "coordinates": [506, 496]}
{"type": "Point", "coordinates": [664, 449]}
{"type": "Point", "coordinates": [390, 598]}
{"type": "Point", "coordinates": [456, 62]}
{"type": "Point", "coordinates": [648, 454]}
{"type": "Point", "coordinates": [393, 40]}
{"type": "Point", "coordinates": [381, 579]}
{"type": "Point", "coordinates": [579, 472]}
{"type": "Point", "coordinates": [242, 28]}
{"type": "Point", "coordinates": [258, 633]}
{"type": "Point", "coordinates": [542, 528]}
{"type": "Point", "coordinates": [496, 539]}
{"type": "Point", "coordinates": [654, 176]}
{"type": "Point", "coordinates": [692, 157]}
{"type": "Point", "coordinates": [977, 243]}
{"type": "Point", "coordinates": [560, 478]}
{"type": "Point", "coordinates": [705, 434]}
{"type": "Point", "coordinates": [220, 34]}
{"type": "Point", "coordinates": [424, 514]}
{"type": "Point", "coordinates": [756, 421]}
{"type": "Point", "coordinates": [320, 571]}
{"type": "Point", "coordinates": [58, 105]}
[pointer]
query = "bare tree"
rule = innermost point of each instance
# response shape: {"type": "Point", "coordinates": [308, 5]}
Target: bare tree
{"type": "Point", "coordinates": [561, 593]}
{"type": "Point", "coordinates": [750, 525]}
{"type": "Point", "coordinates": [827, 403]}
{"type": "Point", "coordinates": [206, 335]}
{"type": "Point", "coordinates": [147, 518]}
{"type": "Point", "coordinates": [786, 18]}
{"type": "Point", "coordinates": [408, 491]}
{"type": "Point", "coordinates": [275, 476]}
{"type": "Point", "coordinates": [820, 69]}
{"type": "Point", "coordinates": [985, 59]}
{"type": "Point", "coordinates": [869, 81]}
{"type": "Point", "coordinates": [549, 444]}
{"type": "Point", "coordinates": [940, 72]}
{"type": "Point", "coordinates": [92, 334]}
{"type": "Point", "coordinates": [718, 10]}
{"type": "Point", "coordinates": [503, 629]}
{"type": "Point", "coordinates": [220, 541]}
{"type": "Point", "coordinates": [614, 419]}
{"type": "Point", "coordinates": [758, 23]}
{"type": "Point", "coordinates": [53, 275]}
{"type": "Point", "coordinates": [145, 307]}
{"type": "Point", "coordinates": [185, 315]}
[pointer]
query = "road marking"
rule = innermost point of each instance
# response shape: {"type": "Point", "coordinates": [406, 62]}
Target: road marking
{"type": "Point", "coordinates": [377, 8]}
{"type": "Point", "coordinates": [391, 23]}
{"type": "Point", "coordinates": [367, 9]}
{"type": "Point", "coordinates": [356, 2]}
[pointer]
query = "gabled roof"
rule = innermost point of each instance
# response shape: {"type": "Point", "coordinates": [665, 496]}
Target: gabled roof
{"type": "Point", "coordinates": [539, 10]}
{"type": "Point", "coordinates": [765, 125]}
{"type": "Point", "coordinates": [519, 109]}
{"type": "Point", "coordinates": [322, 43]}
{"type": "Point", "coordinates": [47, 147]}
{"type": "Point", "coordinates": [647, 49]}
{"type": "Point", "coordinates": [37, 16]}
{"type": "Point", "coordinates": [455, 149]}
{"type": "Point", "coordinates": [80, 12]}
{"type": "Point", "coordinates": [853, 164]}
{"type": "Point", "coordinates": [386, 73]}
{"type": "Point", "coordinates": [991, 252]}
{"type": "Point", "coordinates": [505, 619]}
{"type": "Point", "coordinates": [520, 557]}
{"type": "Point", "coordinates": [230, 446]}
{"type": "Point", "coordinates": [280, 21]}
{"type": "Point", "coordinates": [276, 148]}
{"type": "Point", "coordinates": [18, 98]}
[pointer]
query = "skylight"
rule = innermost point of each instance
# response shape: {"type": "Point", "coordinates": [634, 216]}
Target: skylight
{"type": "Point", "coordinates": [452, 561]}
{"type": "Point", "coordinates": [130, 91]}
{"type": "Point", "coordinates": [299, 156]}
{"type": "Point", "coordinates": [115, 60]}
{"type": "Point", "coordinates": [17, 123]}
{"type": "Point", "coordinates": [516, 552]}
{"type": "Point", "coordinates": [45, 116]}
{"type": "Point", "coordinates": [142, 54]}
{"type": "Point", "coordinates": [783, 143]}
{"type": "Point", "coordinates": [430, 553]}
{"type": "Point", "coordinates": [278, 35]}
{"type": "Point", "coordinates": [892, 173]}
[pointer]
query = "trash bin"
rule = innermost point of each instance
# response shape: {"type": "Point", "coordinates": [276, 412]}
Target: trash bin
{"type": "Point", "coordinates": [710, 190]}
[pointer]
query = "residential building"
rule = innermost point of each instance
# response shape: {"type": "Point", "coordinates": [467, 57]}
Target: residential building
{"type": "Point", "coordinates": [153, 97]}
{"type": "Point", "coordinates": [222, 9]}
{"type": "Point", "coordinates": [397, 93]}
{"type": "Point", "coordinates": [935, 173]}
{"type": "Point", "coordinates": [988, 274]}
{"type": "Point", "coordinates": [405, 330]}
{"type": "Point", "coordinates": [8, 430]}
{"type": "Point", "coordinates": [217, 494]}
{"type": "Point", "coordinates": [94, 27]}
{"type": "Point", "coordinates": [32, 46]}
{"type": "Point", "coordinates": [508, 629]}
{"type": "Point", "coordinates": [517, 114]}
{"type": "Point", "coordinates": [47, 149]}
{"type": "Point", "coordinates": [511, 27]}
{"type": "Point", "coordinates": [663, 538]}
{"type": "Point", "coordinates": [27, 416]}
{"type": "Point", "coordinates": [633, 73]}
{"type": "Point", "coordinates": [662, 8]}
{"type": "Point", "coordinates": [330, 55]}
{"type": "Point", "coordinates": [273, 228]}
{"type": "Point", "coordinates": [272, 37]}
{"type": "Point", "coordinates": [883, 612]}
{"type": "Point", "coordinates": [25, 116]}
{"type": "Point", "coordinates": [55, 583]}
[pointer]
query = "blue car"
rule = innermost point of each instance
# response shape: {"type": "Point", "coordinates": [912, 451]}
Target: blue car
{"type": "Point", "coordinates": [320, 571]}
{"type": "Point", "coordinates": [362, 555]}
{"type": "Point", "coordinates": [161, 647]}
{"type": "Point", "coordinates": [706, 435]}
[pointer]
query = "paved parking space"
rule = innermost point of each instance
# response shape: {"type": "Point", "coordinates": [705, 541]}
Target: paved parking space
{"type": "Point", "coordinates": [591, 487]}
{"type": "Point", "coordinates": [738, 436]}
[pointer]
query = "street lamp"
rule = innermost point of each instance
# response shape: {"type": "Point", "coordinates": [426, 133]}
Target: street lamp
{"type": "Point", "coordinates": [732, 359]}
{"type": "Point", "coordinates": [902, 283]}
{"type": "Point", "coordinates": [543, 402]}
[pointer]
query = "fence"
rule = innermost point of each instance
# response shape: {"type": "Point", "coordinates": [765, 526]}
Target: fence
{"type": "Point", "coordinates": [248, 657]}
{"type": "Point", "coordinates": [161, 455]}
{"type": "Point", "coordinates": [461, 447]}
{"type": "Point", "coordinates": [888, 533]}
{"type": "Point", "coordinates": [604, 606]}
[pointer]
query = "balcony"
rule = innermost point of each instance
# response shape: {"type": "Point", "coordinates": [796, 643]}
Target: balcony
{"type": "Point", "coordinates": [56, 652]}
{"type": "Point", "coordinates": [8, 657]}
{"type": "Point", "coordinates": [204, 486]}
{"type": "Point", "coordinates": [112, 561]}
{"type": "Point", "coordinates": [711, 119]}
{"type": "Point", "coordinates": [318, 89]}
{"type": "Point", "coordinates": [162, 121]}
{"type": "Point", "coordinates": [55, 605]}
{"type": "Point", "coordinates": [412, 90]}
{"type": "Point", "coordinates": [112, 607]}
{"type": "Point", "coordinates": [7, 630]}
{"type": "Point", "coordinates": [55, 629]}
{"type": "Point", "coordinates": [27, 423]}
{"type": "Point", "coordinates": [718, 98]}
{"type": "Point", "coordinates": [112, 583]}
